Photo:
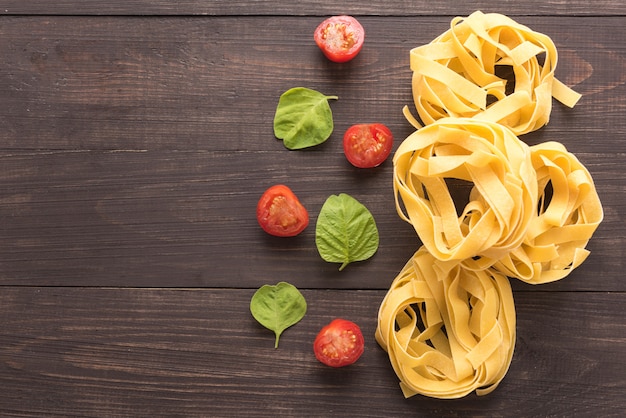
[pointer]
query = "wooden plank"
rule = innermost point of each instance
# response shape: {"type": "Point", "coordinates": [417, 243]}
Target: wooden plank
{"type": "Point", "coordinates": [187, 219]}
{"type": "Point", "coordinates": [141, 352]}
{"type": "Point", "coordinates": [213, 83]}
{"type": "Point", "coordinates": [160, 141]}
{"type": "Point", "coordinates": [308, 7]}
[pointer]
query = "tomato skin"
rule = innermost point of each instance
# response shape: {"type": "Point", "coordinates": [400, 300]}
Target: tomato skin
{"type": "Point", "coordinates": [280, 213]}
{"type": "Point", "coordinates": [339, 343]}
{"type": "Point", "coordinates": [340, 38]}
{"type": "Point", "coordinates": [367, 145]}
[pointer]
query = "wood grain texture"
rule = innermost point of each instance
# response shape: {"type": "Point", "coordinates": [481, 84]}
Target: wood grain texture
{"type": "Point", "coordinates": [135, 140]}
{"type": "Point", "coordinates": [187, 219]}
{"type": "Point", "coordinates": [104, 352]}
{"type": "Point", "coordinates": [213, 83]}
{"type": "Point", "coordinates": [310, 7]}
{"type": "Point", "coordinates": [143, 144]}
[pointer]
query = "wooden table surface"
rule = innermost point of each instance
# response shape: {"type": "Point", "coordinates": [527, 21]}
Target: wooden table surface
{"type": "Point", "coordinates": [135, 141]}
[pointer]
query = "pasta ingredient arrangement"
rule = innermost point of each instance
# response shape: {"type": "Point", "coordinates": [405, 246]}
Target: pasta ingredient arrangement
{"type": "Point", "coordinates": [345, 231]}
{"type": "Point", "coordinates": [448, 319]}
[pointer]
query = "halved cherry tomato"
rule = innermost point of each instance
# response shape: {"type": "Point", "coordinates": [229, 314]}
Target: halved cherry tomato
{"type": "Point", "coordinates": [340, 38]}
{"type": "Point", "coordinates": [367, 145]}
{"type": "Point", "coordinates": [280, 213]}
{"type": "Point", "coordinates": [339, 343]}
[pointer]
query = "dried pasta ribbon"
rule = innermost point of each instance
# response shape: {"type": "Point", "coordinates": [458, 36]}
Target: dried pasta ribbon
{"type": "Point", "coordinates": [448, 319]}
{"type": "Point", "coordinates": [569, 213]}
{"type": "Point", "coordinates": [502, 201]}
{"type": "Point", "coordinates": [456, 74]}
{"type": "Point", "coordinates": [448, 330]}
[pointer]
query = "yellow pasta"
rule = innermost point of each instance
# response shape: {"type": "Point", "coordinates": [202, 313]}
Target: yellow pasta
{"type": "Point", "coordinates": [569, 213]}
{"type": "Point", "coordinates": [502, 201]}
{"type": "Point", "coordinates": [448, 319]}
{"type": "Point", "coordinates": [448, 330]}
{"type": "Point", "coordinates": [456, 75]}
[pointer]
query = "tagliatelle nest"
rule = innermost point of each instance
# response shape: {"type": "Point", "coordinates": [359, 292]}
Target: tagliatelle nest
{"type": "Point", "coordinates": [568, 214]}
{"type": "Point", "coordinates": [502, 201]}
{"type": "Point", "coordinates": [462, 73]}
{"type": "Point", "coordinates": [448, 330]}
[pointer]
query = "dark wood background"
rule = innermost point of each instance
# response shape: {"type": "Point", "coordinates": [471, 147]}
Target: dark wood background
{"type": "Point", "coordinates": [135, 140]}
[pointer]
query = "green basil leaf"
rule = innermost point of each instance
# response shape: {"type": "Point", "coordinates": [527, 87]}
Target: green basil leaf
{"type": "Point", "coordinates": [278, 307]}
{"type": "Point", "coordinates": [303, 118]}
{"type": "Point", "coordinates": [345, 231]}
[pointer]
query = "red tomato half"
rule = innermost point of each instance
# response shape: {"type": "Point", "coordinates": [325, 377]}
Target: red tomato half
{"type": "Point", "coordinates": [339, 343]}
{"type": "Point", "coordinates": [280, 213]}
{"type": "Point", "coordinates": [367, 145]}
{"type": "Point", "coordinates": [340, 38]}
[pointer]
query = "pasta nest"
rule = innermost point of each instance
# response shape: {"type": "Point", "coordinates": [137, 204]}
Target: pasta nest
{"type": "Point", "coordinates": [489, 67]}
{"type": "Point", "coordinates": [569, 211]}
{"type": "Point", "coordinates": [448, 330]}
{"type": "Point", "coordinates": [502, 200]}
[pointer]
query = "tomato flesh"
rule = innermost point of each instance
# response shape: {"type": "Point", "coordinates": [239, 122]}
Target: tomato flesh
{"type": "Point", "coordinates": [339, 343]}
{"type": "Point", "coordinates": [367, 145]}
{"type": "Point", "coordinates": [340, 38]}
{"type": "Point", "coordinates": [280, 213]}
